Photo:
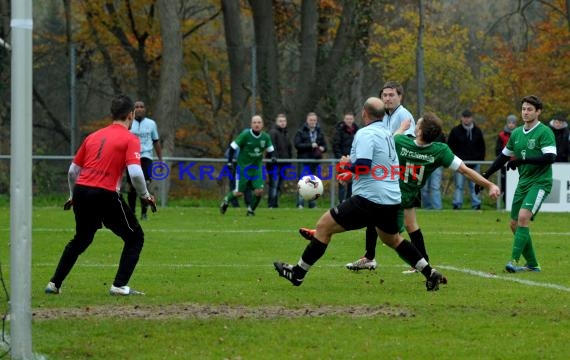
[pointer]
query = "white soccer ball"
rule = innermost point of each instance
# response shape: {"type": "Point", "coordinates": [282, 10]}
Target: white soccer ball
{"type": "Point", "coordinates": [310, 187]}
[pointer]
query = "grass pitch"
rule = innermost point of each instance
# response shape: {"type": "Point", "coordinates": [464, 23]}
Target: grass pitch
{"type": "Point", "coordinates": [212, 293]}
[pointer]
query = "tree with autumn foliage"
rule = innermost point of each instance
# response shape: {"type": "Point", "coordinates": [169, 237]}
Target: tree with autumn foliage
{"type": "Point", "coordinates": [536, 62]}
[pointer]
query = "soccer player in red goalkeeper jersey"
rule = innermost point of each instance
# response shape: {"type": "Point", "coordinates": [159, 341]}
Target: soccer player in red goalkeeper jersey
{"type": "Point", "coordinates": [94, 178]}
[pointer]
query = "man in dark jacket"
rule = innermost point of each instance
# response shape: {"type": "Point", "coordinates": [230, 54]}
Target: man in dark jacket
{"type": "Point", "coordinates": [283, 150]}
{"type": "Point", "coordinates": [559, 127]}
{"type": "Point", "coordinates": [467, 142]}
{"type": "Point", "coordinates": [342, 142]}
{"type": "Point", "coordinates": [310, 144]}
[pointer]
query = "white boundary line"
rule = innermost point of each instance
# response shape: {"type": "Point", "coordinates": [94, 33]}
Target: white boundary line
{"type": "Point", "coordinates": [505, 278]}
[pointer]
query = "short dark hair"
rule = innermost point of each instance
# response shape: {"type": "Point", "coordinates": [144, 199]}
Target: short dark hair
{"type": "Point", "coordinates": [430, 127]}
{"type": "Point", "coordinates": [121, 106]}
{"type": "Point", "coordinates": [533, 100]}
{"type": "Point", "coordinates": [392, 85]}
{"type": "Point", "coordinates": [466, 113]}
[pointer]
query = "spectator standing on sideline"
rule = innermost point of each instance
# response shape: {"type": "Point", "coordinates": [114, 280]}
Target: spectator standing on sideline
{"type": "Point", "coordinates": [531, 149]}
{"type": "Point", "coordinates": [342, 142]}
{"type": "Point", "coordinates": [252, 144]}
{"type": "Point", "coordinates": [283, 150]}
{"type": "Point", "coordinates": [310, 144]}
{"type": "Point", "coordinates": [467, 142]}
{"type": "Point", "coordinates": [502, 140]}
{"type": "Point", "coordinates": [431, 191]}
{"type": "Point", "coordinates": [559, 127]}
{"type": "Point", "coordinates": [94, 178]}
{"type": "Point", "coordinates": [373, 202]}
{"type": "Point", "coordinates": [147, 132]}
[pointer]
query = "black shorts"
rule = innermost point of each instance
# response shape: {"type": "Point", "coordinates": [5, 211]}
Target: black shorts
{"type": "Point", "coordinates": [357, 212]}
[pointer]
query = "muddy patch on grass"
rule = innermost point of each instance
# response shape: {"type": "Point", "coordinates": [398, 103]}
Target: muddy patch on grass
{"type": "Point", "coordinates": [201, 311]}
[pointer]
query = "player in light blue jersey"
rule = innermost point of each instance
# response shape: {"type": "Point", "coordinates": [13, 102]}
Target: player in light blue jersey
{"type": "Point", "coordinates": [392, 94]}
{"type": "Point", "coordinates": [147, 132]}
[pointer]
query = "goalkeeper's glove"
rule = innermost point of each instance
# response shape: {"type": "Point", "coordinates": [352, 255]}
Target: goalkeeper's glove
{"type": "Point", "coordinates": [344, 177]}
{"type": "Point", "coordinates": [68, 204]}
{"type": "Point", "coordinates": [513, 164]}
{"type": "Point", "coordinates": [230, 166]}
{"type": "Point", "coordinates": [150, 201]}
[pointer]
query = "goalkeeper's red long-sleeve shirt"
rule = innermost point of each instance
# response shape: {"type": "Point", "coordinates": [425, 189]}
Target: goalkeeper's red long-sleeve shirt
{"type": "Point", "coordinates": [104, 155]}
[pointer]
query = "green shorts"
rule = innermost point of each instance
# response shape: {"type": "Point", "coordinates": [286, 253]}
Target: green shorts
{"type": "Point", "coordinates": [251, 176]}
{"type": "Point", "coordinates": [530, 200]}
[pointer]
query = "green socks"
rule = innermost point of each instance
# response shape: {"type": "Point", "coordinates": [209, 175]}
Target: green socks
{"type": "Point", "coordinates": [523, 246]}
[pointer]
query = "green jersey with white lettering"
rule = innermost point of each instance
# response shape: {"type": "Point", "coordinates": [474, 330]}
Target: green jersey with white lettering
{"type": "Point", "coordinates": [418, 162]}
{"type": "Point", "coordinates": [252, 148]}
{"type": "Point", "coordinates": [524, 144]}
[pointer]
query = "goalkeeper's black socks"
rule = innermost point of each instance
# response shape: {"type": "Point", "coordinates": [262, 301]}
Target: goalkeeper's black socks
{"type": "Point", "coordinates": [417, 239]}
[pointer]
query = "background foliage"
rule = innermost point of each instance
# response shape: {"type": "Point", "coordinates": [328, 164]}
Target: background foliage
{"type": "Point", "coordinates": [241, 57]}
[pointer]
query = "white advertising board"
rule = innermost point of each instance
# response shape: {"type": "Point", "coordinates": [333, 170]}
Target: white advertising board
{"type": "Point", "coordinates": [559, 198]}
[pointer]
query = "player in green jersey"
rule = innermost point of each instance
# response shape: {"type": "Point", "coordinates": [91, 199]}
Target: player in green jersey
{"type": "Point", "coordinates": [252, 144]}
{"type": "Point", "coordinates": [531, 149]}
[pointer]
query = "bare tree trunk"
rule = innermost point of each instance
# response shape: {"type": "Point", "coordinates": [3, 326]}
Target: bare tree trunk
{"type": "Point", "coordinates": [307, 59]}
{"type": "Point", "coordinates": [236, 57]}
{"type": "Point", "coordinates": [328, 67]}
{"type": "Point", "coordinates": [171, 73]}
{"type": "Point", "coordinates": [267, 61]}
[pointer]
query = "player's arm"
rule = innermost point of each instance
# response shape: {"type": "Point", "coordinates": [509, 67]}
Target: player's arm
{"type": "Point", "coordinates": [139, 183]}
{"type": "Point", "coordinates": [271, 153]}
{"type": "Point", "coordinates": [232, 152]}
{"type": "Point", "coordinates": [494, 191]}
{"type": "Point", "coordinates": [72, 175]}
{"type": "Point", "coordinates": [499, 162]}
{"type": "Point", "coordinates": [404, 126]}
{"type": "Point", "coordinates": [157, 149]}
{"type": "Point", "coordinates": [156, 142]}
{"type": "Point", "coordinates": [545, 159]}
{"type": "Point", "coordinates": [347, 170]}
